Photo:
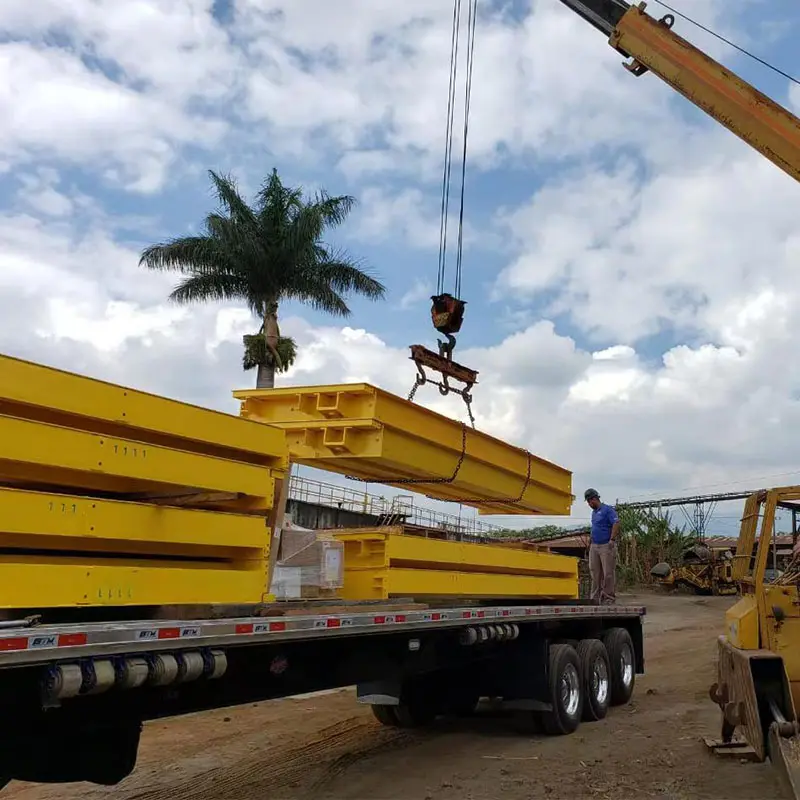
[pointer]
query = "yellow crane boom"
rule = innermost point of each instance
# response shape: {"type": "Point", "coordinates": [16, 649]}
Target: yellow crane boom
{"type": "Point", "coordinates": [652, 46]}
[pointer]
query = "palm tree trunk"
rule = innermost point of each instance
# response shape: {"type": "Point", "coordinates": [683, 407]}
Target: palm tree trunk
{"type": "Point", "coordinates": [265, 379]}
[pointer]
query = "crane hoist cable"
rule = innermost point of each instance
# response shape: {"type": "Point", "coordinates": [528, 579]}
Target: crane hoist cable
{"type": "Point", "coordinates": [447, 310]}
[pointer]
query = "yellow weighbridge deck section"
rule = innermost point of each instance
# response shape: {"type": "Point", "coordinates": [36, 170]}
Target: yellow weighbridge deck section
{"type": "Point", "coordinates": [365, 432]}
{"type": "Point", "coordinates": [381, 563]}
{"type": "Point", "coordinates": [111, 496]}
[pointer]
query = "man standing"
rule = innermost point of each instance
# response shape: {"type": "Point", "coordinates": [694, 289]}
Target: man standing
{"type": "Point", "coordinates": [603, 548]}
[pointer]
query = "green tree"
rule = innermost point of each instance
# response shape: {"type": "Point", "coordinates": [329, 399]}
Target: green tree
{"type": "Point", "coordinates": [262, 255]}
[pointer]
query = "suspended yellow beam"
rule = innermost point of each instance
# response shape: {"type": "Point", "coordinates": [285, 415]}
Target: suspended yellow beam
{"type": "Point", "coordinates": [380, 564]}
{"type": "Point", "coordinates": [365, 432]}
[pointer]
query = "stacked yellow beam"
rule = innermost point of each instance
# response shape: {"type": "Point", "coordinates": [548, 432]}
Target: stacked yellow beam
{"type": "Point", "coordinates": [382, 563]}
{"type": "Point", "coordinates": [111, 496]}
{"type": "Point", "coordinates": [365, 432]}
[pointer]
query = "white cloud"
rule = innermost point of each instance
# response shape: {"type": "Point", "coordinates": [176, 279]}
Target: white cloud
{"type": "Point", "coordinates": [644, 217]}
{"type": "Point", "coordinates": [686, 245]}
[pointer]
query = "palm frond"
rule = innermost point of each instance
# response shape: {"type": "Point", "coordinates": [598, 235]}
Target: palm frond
{"type": "Point", "coordinates": [320, 296]}
{"type": "Point", "coordinates": [208, 287]}
{"type": "Point", "coordinates": [231, 201]}
{"type": "Point", "coordinates": [334, 210]}
{"type": "Point", "coordinates": [256, 353]}
{"type": "Point", "coordinates": [184, 254]}
{"type": "Point", "coordinates": [344, 275]}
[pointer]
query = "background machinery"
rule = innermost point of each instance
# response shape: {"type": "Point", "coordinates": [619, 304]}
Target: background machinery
{"type": "Point", "coordinates": [758, 669]}
{"type": "Point", "coordinates": [704, 569]}
{"type": "Point", "coordinates": [758, 686]}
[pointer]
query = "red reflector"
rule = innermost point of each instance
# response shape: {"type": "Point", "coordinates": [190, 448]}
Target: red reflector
{"type": "Point", "coordinates": [333, 623]}
{"type": "Point", "coordinates": [466, 614]}
{"type": "Point", "coordinates": [277, 626]}
{"type": "Point", "coordinates": [506, 612]}
{"type": "Point", "coordinates": [169, 633]}
{"type": "Point", "coordinates": [379, 620]}
{"type": "Point", "coordinates": [481, 614]}
{"type": "Point", "coordinates": [436, 617]}
{"type": "Point", "coordinates": [246, 627]}
{"type": "Point", "coordinates": [400, 618]}
{"type": "Point", "coordinates": [72, 639]}
{"type": "Point", "coordinates": [18, 643]}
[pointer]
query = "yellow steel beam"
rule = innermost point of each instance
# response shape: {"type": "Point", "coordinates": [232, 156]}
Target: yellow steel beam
{"type": "Point", "coordinates": [63, 398]}
{"type": "Point", "coordinates": [38, 520]}
{"type": "Point", "coordinates": [47, 582]}
{"type": "Point", "coordinates": [373, 548]}
{"type": "Point", "coordinates": [37, 452]}
{"type": "Point", "coordinates": [363, 431]}
{"type": "Point", "coordinates": [420, 583]}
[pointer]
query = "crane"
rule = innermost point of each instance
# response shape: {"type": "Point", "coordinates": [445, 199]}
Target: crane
{"type": "Point", "coordinates": [758, 686]}
{"type": "Point", "coordinates": [651, 45]}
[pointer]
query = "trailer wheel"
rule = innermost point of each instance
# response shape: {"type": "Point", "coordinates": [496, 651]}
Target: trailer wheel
{"type": "Point", "coordinates": [414, 714]}
{"type": "Point", "coordinates": [596, 674]}
{"type": "Point", "coordinates": [565, 690]}
{"type": "Point", "coordinates": [619, 645]}
{"type": "Point", "coordinates": [386, 715]}
{"type": "Point", "coordinates": [419, 705]}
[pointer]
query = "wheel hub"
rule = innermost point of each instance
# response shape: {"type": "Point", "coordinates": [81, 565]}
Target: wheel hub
{"type": "Point", "coordinates": [626, 664]}
{"type": "Point", "coordinates": [570, 690]}
{"type": "Point", "coordinates": [600, 681]}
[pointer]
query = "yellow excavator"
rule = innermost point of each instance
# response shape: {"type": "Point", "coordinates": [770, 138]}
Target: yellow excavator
{"type": "Point", "coordinates": [758, 685]}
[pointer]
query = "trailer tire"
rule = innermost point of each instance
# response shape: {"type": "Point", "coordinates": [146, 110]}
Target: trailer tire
{"type": "Point", "coordinates": [565, 691]}
{"type": "Point", "coordinates": [622, 658]}
{"type": "Point", "coordinates": [385, 715]}
{"type": "Point", "coordinates": [596, 675]}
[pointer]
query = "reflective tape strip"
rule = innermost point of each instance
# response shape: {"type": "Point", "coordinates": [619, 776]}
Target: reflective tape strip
{"type": "Point", "coordinates": [139, 636]}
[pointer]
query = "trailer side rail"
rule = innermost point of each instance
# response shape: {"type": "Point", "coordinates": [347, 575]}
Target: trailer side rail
{"type": "Point", "coordinates": [42, 644]}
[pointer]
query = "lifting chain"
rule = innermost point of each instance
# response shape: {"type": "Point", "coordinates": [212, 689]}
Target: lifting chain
{"type": "Point", "coordinates": [409, 481]}
{"type": "Point", "coordinates": [502, 501]}
{"type": "Point", "coordinates": [444, 389]}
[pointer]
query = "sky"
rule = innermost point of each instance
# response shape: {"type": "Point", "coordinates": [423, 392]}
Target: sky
{"type": "Point", "coordinates": [628, 263]}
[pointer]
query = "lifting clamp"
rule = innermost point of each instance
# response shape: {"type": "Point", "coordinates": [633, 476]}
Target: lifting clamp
{"type": "Point", "coordinates": [447, 314]}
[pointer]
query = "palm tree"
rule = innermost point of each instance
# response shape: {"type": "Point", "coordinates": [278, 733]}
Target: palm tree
{"type": "Point", "coordinates": [262, 255]}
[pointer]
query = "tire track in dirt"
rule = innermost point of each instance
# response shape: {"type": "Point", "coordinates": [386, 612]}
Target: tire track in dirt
{"type": "Point", "coordinates": [303, 768]}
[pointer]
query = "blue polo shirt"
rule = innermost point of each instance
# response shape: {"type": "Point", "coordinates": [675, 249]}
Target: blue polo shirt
{"type": "Point", "coordinates": [603, 519]}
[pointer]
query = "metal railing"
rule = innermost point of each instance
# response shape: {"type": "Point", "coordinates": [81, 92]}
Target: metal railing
{"type": "Point", "coordinates": [331, 495]}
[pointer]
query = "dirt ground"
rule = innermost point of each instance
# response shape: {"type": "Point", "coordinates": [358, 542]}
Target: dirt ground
{"type": "Point", "coordinates": [328, 747]}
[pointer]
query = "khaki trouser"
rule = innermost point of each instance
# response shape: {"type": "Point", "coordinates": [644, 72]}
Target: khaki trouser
{"type": "Point", "coordinates": [602, 566]}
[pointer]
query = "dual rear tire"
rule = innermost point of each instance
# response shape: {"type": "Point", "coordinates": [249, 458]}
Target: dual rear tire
{"type": "Point", "coordinates": [586, 679]}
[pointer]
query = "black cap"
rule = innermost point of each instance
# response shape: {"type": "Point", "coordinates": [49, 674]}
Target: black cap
{"type": "Point", "coordinates": [590, 493]}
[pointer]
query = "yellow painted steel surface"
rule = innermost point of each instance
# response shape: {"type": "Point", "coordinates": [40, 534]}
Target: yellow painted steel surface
{"type": "Point", "coordinates": [380, 564]}
{"type": "Point", "coordinates": [34, 391]}
{"type": "Point", "coordinates": [363, 431]}
{"type": "Point", "coordinates": [69, 457]}
{"type": "Point", "coordinates": [36, 582]}
{"type": "Point", "coordinates": [68, 522]}
{"type": "Point", "coordinates": [113, 496]}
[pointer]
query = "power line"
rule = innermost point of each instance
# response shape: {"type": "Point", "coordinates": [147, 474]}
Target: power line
{"type": "Point", "coordinates": [727, 41]}
{"type": "Point", "coordinates": [757, 479]}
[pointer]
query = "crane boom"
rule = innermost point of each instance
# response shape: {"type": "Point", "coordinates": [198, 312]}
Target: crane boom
{"type": "Point", "coordinates": [652, 46]}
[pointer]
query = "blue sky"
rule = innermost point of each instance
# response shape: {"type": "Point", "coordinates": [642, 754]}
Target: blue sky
{"type": "Point", "coordinates": [627, 262]}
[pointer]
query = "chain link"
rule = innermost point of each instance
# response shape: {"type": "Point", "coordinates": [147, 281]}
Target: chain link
{"type": "Point", "coordinates": [408, 481]}
{"type": "Point", "coordinates": [467, 398]}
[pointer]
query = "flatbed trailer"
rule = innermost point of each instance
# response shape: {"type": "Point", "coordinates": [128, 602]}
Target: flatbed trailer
{"type": "Point", "coordinates": [75, 696]}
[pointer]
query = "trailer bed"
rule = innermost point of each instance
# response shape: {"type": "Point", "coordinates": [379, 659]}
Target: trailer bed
{"type": "Point", "coordinates": [47, 643]}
